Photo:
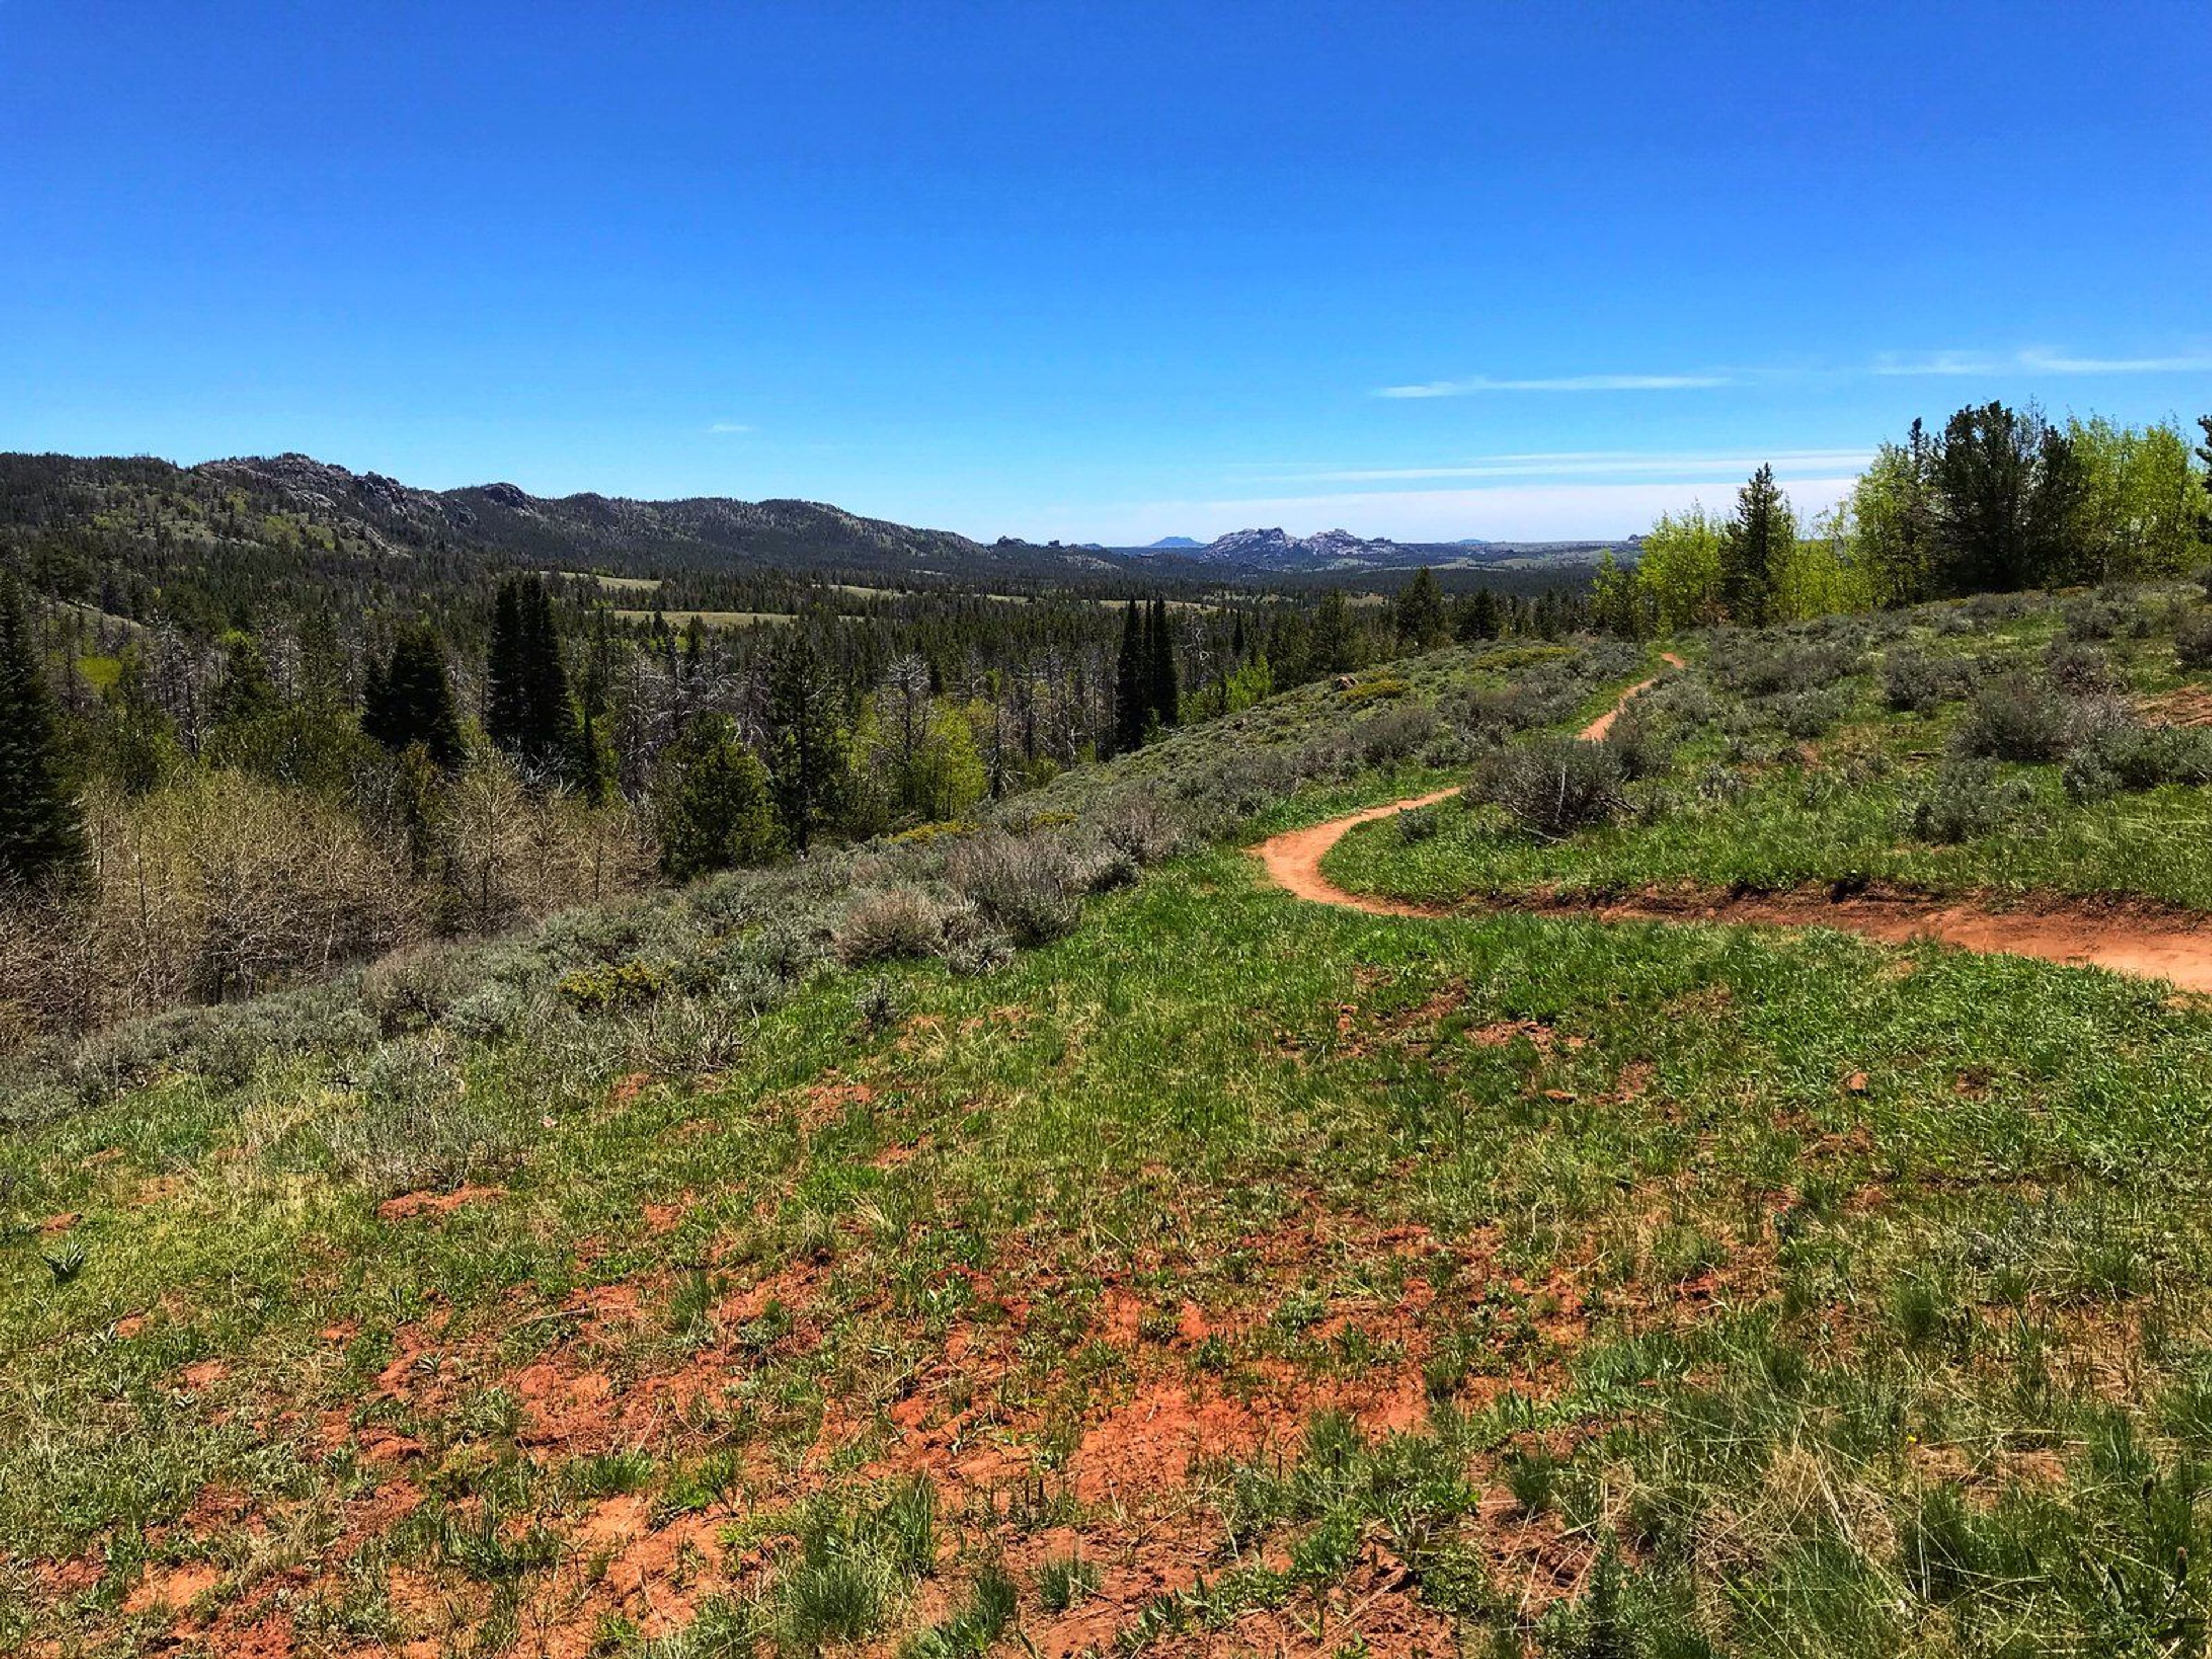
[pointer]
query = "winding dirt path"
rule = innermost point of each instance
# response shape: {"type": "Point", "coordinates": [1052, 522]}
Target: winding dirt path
{"type": "Point", "coordinates": [1293, 859]}
{"type": "Point", "coordinates": [2140, 939]}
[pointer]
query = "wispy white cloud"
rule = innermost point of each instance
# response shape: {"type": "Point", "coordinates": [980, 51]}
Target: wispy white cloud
{"type": "Point", "coordinates": [2036, 361]}
{"type": "Point", "coordinates": [1595, 464]}
{"type": "Point", "coordinates": [724, 428]}
{"type": "Point", "coordinates": [1480, 383]}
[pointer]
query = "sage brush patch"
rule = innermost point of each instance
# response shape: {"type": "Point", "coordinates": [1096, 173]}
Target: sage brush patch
{"type": "Point", "coordinates": [2016, 717]}
{"type": "Point", "coordinates": [1966, 798]}
{"type": "Point", "coordinates": [1552, 787]}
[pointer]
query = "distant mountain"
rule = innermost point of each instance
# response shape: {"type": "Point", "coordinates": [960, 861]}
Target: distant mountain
{"type": "Point", "coordinates": [1257, 553]}
{"type": "Point", "coordinates": [302, 502]}
{"type": "Point", "coordinates": [1171, 542]}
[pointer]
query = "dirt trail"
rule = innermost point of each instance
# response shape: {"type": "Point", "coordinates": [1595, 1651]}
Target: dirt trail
{"type": "Point", "coordinates": [2143, 940]}
{"type": "Point", "coordinates": [1293, 859]}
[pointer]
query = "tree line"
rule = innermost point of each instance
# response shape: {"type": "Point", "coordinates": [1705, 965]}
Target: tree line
{"type": "Point", "coordinates": [2000, 499]}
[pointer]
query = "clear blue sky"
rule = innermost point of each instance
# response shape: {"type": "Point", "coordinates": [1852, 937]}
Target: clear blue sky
{"type": "Point", "coordinates": [1102, 272]}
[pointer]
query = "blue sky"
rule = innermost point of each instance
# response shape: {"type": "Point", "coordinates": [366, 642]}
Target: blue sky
{"type": "Point", "coordinates": [1102, 272]}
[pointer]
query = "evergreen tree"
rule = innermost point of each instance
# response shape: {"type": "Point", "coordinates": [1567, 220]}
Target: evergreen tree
{"type": "Point", "coordinates": [415, 704]}
{"type": "Point", "coordinates": [376, 721]}
{"type": "Point", "coordinates": [1423, 624]}
{"type": "Point", "coordinates": [245, 692]}
{"type": "Point", "coordinates": [138, 743]}
{"type": "Point", "coordinates": [711, 802]}
{"type": "Point", "coordinates": [1985, 475]}
{"type": "Point", "coordinates": [40, 835]}
{"type": "Point", "coordinates": [1476, 618]}
{"type": "Point", "coordinates": [1333, 638]}
{"type": "Point", "coordinates": [2204, 454]}
{"type": "Point", "coordinates": [549, 717]}
{"type": "Point", "coordinates": [807, 751]}
{"type": "Point", "coordinates": [1130, 687]}
{"type": "Point", "coordinates": [505, 701]}
{"type": "Point", "coordinates": [1755, 547]}
{"type": "Point", "coordinates": [527, 710]}
{"type": "Point", "coordinates": [1163, 698]}
{"type": "Point", "coordinates": [593, 772]}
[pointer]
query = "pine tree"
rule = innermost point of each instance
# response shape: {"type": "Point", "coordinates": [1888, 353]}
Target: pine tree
{"type": "Point", "coordinates": [711, 802]}
{"type": "Point", "coordinates": [1422, 623]}
{"type": "Point", "coordinates": [2204, 454]}
{"type": "Point", "coordinates": [416, 703]}
{"type": "Point", "coordinates": [245, 693]}
{"type": "Point", "coordinates": [139, 744]}
{"type": "Point", "coordinates": [1332, 634]}
{"type": "Point", "coordinates": [376, 720]}
{"type": "Point", "coordinates": [1162, 697]}
{"type": "Point", "coordinates": [807, 749]}
{"type": "Point", "coordinates": [40, 835]}
{"type": "Point", "coordinates": [504, 703]}
{"type": "Point", "coordinates": [549, 743]}
{"type": "Point", "coordinates": [1130, 689]}
{"type": "Point", "coordinates": [1476, 618]}
{"type": "Point", "coordinates": [1757, 543]}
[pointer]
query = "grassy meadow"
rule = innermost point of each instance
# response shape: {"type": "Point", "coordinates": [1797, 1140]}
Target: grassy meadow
{"type": "Point", "coordinates": [794, 1265]}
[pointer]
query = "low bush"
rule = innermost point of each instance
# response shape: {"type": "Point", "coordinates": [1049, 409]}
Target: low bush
{"type": "Point", "coordinates": [1492, 713]}
{"type": "Point", "coordinates": [1966, 798]}
{"type": "Point", "coordinates": [1553, 787]}
{"type": "Point", "coordinates": [1397, 734]}
{"type": "Point", "coordinates": [2015, 717]}
{"type": "Point", "coordinates": [1138, 825]}
{"type": "Point", "coordinates": [1912, 682]}
{"type": "Point", "coordinates": [2192, 641]}
{"type": "Point", "coordinates": [1804, 714]}
{"type": "Point", "coordinates": [1419, 824]}
{"type": "Point", "coordinates": [2116, 756]}
{"type": "Point", "coordinates": [1638, 742]}
{"type": "Point", "coordinates": [1381, 689]}
{"type": "Point", "coordinates": [410, 1125]}
{"type": "Point", "coordinates": [887, 923]}
{"type": "Point", "coordinates": [2095, 618]}
{"type": "Point", "coordinates": [1762, 666]}
{"type": "Point", "coordinates": [2080, 669]}
{"type": "Point", "coordinates": [605, 987]}
{"type": "Point", "coordinates": [1028, 885]}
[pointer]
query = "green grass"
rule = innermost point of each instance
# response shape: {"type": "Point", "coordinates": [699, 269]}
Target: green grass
{"type": "Point", "coordinates": [1532, 1282]}
{"type": "Point", "coordinates": [1744, 805]}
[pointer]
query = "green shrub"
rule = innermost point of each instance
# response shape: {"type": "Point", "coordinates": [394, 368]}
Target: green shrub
{"type": "Point", "coordinates": [888, 923]}
{"type": "Point", "coordinates": [2081, 670]}
{"type": "Point", "coordinates": [1637, 744]}
{"type": "Point", "coordinates": [2192, 642]}
{"type": "Point", "coordinates": [1553, 787]}
{"type": "Point", "coordinates": [1919, 684]}
{"type": "Point", "coordinates": [2115, 755]}
{"type": "Point", "coordinates": [2015, 718]}
{"type": "Point", "coordinates": [411, 1126]}
{"type": "Point", "coordinates": [1381, 689]}
{"type": "Point", "coordinates": [1029, 886]}
{"type": "Point", "coordinates": [610, 986]}
{"type": "Point", "coordinates": [1397, 735]}
{"type": "Point", "coordinates": [1965, 799]}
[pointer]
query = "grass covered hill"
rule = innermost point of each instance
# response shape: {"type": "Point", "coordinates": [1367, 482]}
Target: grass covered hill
{"type": "Point", "coordinates": [1052, 1237]}
{"type": "Point", "coordinates": [289, 534]}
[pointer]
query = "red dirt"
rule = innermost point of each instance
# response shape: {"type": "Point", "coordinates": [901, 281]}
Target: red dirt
{"type": "Point", "coordinates": [1596, 730]}
{"type": "Point", "coordinates": [2141, 940]}
{"type": "Point", "coordinates": [176, 1588]}
{"type": "Point", "coordinates": [410, 1204]}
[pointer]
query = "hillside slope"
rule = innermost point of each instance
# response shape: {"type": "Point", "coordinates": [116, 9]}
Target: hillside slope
{"type": "Point", "coordinates": [786, 1264]}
